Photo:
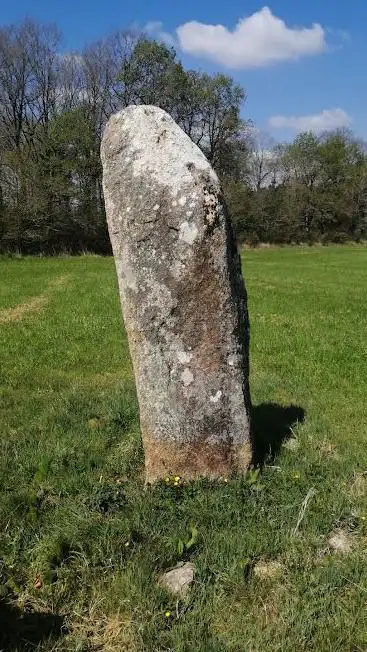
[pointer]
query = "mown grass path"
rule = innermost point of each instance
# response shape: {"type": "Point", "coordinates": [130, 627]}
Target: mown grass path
{"type": "Point", "coordinates": [82, 542]}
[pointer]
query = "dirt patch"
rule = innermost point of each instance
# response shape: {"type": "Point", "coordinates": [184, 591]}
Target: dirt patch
{"type": "Point", "coordinates": [59, 282]}
{"type": "Point", "coordinates": [329, 449]}
{"type": "Point", "coordinates": [36, 304]}
{"type": "Point", "coordinates": [112, 633]}
{"type": "Point", "coordinates": [33, 305]}
{"type": "Point", "coordinates": [268, 570]}
{"type": "Point", "coordinates": [192, 459]}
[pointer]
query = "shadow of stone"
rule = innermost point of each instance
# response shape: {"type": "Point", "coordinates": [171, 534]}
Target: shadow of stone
{"type": "Point", "coordinates": [21, 631]}
{"type": "Point", "coordinates": [271, 425]}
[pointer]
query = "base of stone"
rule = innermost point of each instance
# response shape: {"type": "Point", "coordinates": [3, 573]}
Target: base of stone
{"type": "Point", "coordinates": [194, 460]}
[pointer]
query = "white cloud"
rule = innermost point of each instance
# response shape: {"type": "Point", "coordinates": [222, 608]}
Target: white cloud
{"type": "Point", "coordinates": [155, 29]}
{"type": "Point", "coordinates": [326, 120]}
{"type": "Point", "coordinates": [257, 40]}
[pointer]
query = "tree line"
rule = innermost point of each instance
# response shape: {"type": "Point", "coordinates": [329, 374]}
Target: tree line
{"type": "Point", "coordinates": [53, 108]}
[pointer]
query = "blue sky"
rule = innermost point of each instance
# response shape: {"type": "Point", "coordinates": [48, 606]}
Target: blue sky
{"type": "Point", "coordinates": [301, 63]}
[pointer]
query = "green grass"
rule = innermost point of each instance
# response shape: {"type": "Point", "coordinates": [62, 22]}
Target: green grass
{"type": "Point", "coordinates": [82, 543]}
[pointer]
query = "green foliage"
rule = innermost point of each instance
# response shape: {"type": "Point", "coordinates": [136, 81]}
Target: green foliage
{"type": "Point", "coordinates": [153, 76]}
{"type": "Point", "coordinates": [319, 193]}
{"type": "Point", "coordinates": [51, 197]}
{"type": "Point", "coordinates": [313, 189]}
{"type": "Point", "coordinates": [185, 546]}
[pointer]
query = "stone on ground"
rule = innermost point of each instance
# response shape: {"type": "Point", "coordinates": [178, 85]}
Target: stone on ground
{"type": "Point", "coordinates": [182, 294]}
{"type": "Point", "coordinates": [179, 579]}
{"type": "Point", "coordinates": [268, 570]}
{"type": "Point", "coordinates": [340, 541]}
{"type": "Point", "coordinates": [291, 444]}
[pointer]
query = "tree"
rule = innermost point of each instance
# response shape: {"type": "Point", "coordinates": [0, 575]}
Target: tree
{"type": "Point", "coordinates": [27, 80]}
{"type": "Point", "coordinates": [54, 107]}
{"type": "Point", "coordinates": [262, 160]}
{"type": "Point", "coordinates": [206, 107]}
{"type": "Point", "coordinates": [151, 75]}
{"type": "Point", "coordinates": [220, 120]}
{"type": "Point", "coordinates": [342, 190]}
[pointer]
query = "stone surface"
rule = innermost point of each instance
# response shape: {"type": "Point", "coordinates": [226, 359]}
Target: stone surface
{"type": "Point", "coordinates": [179, 579]}
{"type": "Point", "coordinates": [340, 541]}
{"type": "Point", "coordinates": [291, 444]}
{"type": "Point", "coordinates": [182, 294]}
{"type": "Point", "coordinates": [268, 570]}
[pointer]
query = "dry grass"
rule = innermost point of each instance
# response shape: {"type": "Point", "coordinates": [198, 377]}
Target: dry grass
{"type": "Point", "coordinates": [358, 487]}
{"type": "Point", "coordinates": [268, 570]}
{"type": "Point", "coordinates": [103, 632]}
{"type": "Point", "coordinates": [328, 448]}
{"type": "Point", "coordinates": [60, 282]}
{"type": "Point", "coordinates": [239, 617]}
{"type": "Point", "coordinates": [34, 305]}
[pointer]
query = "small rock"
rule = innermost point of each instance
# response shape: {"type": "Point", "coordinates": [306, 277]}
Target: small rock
{"type": "Point", "coordinates": [340, 542]}
{"type": "Point", "coordinates": [38, 583]}
{"type": "Point", "coordinates": [292, 444]}
{"type": "Point", "coordinates": [268, 570]}
{"type": "Point", "coordinates": [178, 580]}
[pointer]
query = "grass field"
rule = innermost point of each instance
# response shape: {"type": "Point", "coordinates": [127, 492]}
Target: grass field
{"type": "Point", "coordinates": [82, 543]}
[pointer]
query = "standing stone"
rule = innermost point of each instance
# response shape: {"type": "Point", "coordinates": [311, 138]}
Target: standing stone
{"type": "Point", "coordinates": [182, 294]}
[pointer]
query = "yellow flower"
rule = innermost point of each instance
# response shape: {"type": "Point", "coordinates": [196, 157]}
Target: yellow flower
{"type": "Point", "coordinates": [168, 614]}
{"type": "Point", "coordinates": [363, 518]}
{"type": "Point", "coordinates": [296, 475]}
{"type": "Point", "coordinates": [127, 544]}
{"type": "Point", "coordinates": [177, 478]}
{"type": "Point", "coordinates": [175, 484]}
{"type": "Point", "coordinates": [166, 479]}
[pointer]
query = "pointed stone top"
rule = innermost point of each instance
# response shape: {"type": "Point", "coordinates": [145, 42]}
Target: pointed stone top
{"type": "Point", "coordinates": [151, 142]}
